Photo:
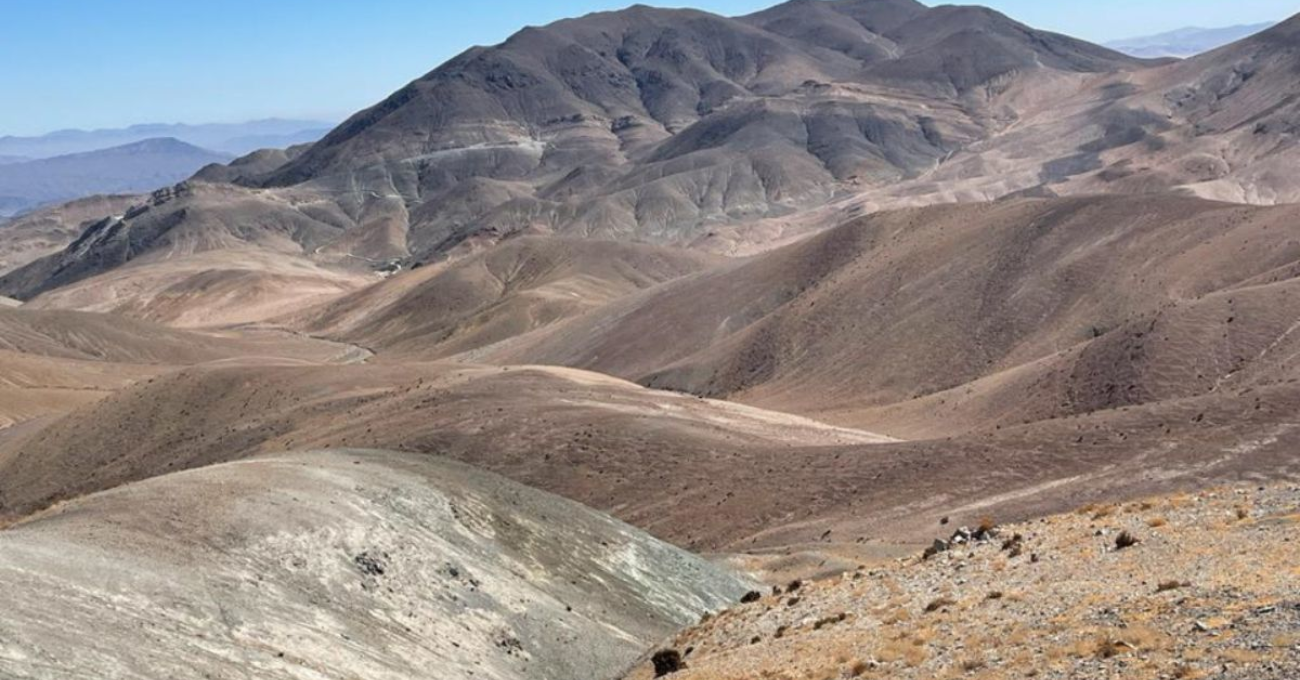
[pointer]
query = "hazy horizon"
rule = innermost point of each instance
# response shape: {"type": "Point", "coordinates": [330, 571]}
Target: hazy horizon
{"type": "Point", "coordinates": [88, 65]}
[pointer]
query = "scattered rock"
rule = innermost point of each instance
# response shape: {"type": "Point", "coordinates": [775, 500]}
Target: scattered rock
{"type": "Point", "coordinates": [939, 603]}
{"type": "Point", "coordinates": [1125, 540]}
{"type": "Point", "coordinates": [667, 662]}
{"type": "Point", "coordinates": [372, 563]}
{"type": "Point", "coordinates": [939, 546]}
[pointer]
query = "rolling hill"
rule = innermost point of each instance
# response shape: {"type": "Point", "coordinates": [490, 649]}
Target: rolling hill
{"type": "Point", "coordinates": [1029, 309]}
{"type": "Point", "coordinates": [491, 297]}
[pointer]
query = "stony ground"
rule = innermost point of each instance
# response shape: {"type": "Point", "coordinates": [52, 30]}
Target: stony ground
{"type": "Point", "coordinates": [1211, 589]}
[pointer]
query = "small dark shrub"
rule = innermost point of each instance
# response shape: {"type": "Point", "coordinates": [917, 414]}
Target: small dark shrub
{"type": "Point", "coordinates": [667, 661]}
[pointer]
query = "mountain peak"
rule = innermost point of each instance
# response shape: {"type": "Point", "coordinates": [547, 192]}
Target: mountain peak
{"type": "Point", "coordinates": [156, 145]}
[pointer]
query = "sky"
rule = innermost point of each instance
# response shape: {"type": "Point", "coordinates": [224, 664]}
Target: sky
{"type": "Point", "coordinates": [96, 64]}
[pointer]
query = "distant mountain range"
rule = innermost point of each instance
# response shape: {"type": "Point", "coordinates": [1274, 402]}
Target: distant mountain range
{"type": "Point", "coordinates": [235, 139]}
{"type": "Point", "coordinates": [1186, 42]}
{"type": "Point", "coordinates": [131, 168]}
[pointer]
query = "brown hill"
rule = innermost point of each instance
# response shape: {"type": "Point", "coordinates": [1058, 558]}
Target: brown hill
{"type": "Point", "coordinates": [196, 255]}
{"type": "Point", "coordinates": [659, 460]}
{"type": "Point", "coordinates": [519, 286]}
{"type": "Point", "coordinates": [988, 315]}
{"type": "Point", "coordinates": [102, 337]}
{"type": "Point", "coordinates": [44, 232]}
{"type": "Point", "coordinates": [226, 287]}
{"type": "Point", "coordinates": [32, 386]}
{"type": "Point", "coordinates": [53, 362]}
{"type": "Point", "coordinates": [340, 564]}
{"type": "Point", "coordinates": [705, 475]}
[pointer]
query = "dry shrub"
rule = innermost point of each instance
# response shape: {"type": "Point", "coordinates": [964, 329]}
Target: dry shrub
{"type": "Point", "coordinates": [1103, 511]}
{"type": "Point", "coordinates": [1240, 656]}
{"type": "Point", "coordinates": [830, 621]}
{"type": "Point", "coordinates": [1157, 522]}
{"type": "Point", "coordinates": [902, 650]}
{"type": "Point", "coordinates": [1286, 640]}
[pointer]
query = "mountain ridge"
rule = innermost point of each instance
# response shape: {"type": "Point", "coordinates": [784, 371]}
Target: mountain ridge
{"type": "Point", "coordinates": [1186, 42]}
{"type": "Point", "coordinates": [232, 138]}
{"type": "Point", "coordinates": [136, 167]}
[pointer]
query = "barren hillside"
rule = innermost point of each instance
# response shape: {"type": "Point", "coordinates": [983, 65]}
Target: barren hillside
{"type": "Point", "coordinates": [1207, 591]}
{"type": "Point", "coordinates": [339, 564]}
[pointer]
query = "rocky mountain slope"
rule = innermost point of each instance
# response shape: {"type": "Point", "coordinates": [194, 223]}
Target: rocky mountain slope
{"type": "Point", "coordinates": [340, 564]}
{"type": "Point", "coordinates": [47, 231]}
{"type": "Point", "coordinates": [1217, 126]}
{"type": "Point", "coordinates": [1207, 591]}
{"type": "Point", "coordinates": [731, 135]}
{"type": "Point", "coordinates": [645, 124]}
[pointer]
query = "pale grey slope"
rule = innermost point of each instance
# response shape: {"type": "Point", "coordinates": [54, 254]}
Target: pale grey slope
{"type": "Point", "coordinates": [1186, 42]}
{"type": "Point", "coordinates": [340, 564]}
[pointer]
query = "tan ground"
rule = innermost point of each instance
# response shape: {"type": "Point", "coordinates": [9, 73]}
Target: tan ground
{"type": "Point", "coordinates": [1210, 591]}
{"type": "Point", "coordinates": [490, 297]}
{"type": "Point", "coordinates": [208, 289]}
{"type": "Point", "coordinates": [54, 362]}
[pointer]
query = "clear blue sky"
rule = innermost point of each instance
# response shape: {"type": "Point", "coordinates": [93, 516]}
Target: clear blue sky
{"type": "Point", "coordinates": [109, 63]}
